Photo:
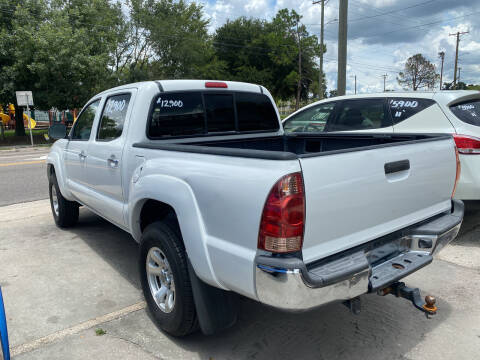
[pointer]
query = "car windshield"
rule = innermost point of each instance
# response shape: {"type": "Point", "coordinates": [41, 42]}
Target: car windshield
{"type": "Point", "coordinates": [468, 111]}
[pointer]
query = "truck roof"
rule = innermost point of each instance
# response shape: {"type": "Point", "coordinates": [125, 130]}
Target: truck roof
{"type": "Point", "coordinates": [179, 85]}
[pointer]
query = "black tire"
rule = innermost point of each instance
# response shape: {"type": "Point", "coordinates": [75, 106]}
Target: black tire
{"type": "Point", "coordinates": [182, 320]}
{"type": "Point", "coordinates": [67, 215]}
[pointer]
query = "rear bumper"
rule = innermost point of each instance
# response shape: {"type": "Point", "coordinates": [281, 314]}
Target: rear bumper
{"type": "Point", "coordinates": [289, 284]}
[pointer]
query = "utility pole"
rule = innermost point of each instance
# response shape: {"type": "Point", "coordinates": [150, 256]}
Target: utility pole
{"type": "Point", "coordinates": [299, 83]}
{"type": "Point", "coordinates": [320, 75]}
{"type": "Point", "coordinates": [459, 69]}
{"type": "Point", "coordinates": [441, 54]}
{"type": "Point", "coordinates": [342, 47]}
{"type": "Point", "coordinates": [457, 34]}
{"type": "Point", "coordinates": [355, 76]}
{"type": "Point", "coordinates": [384, 81]}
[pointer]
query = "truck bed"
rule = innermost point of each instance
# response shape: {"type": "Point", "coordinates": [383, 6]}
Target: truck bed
{"type": "Point", "coordinates": [369, 184]}
{"type": "Point", "coordinates": [294, 146]}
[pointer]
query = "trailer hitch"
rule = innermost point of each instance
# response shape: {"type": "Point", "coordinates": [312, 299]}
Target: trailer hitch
{"type": "Point", "coordinates": [399, 289]}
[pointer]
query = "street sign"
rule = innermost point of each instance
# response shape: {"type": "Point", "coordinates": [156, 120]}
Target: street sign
{"type": "Point", "coordinates": [24, 98]}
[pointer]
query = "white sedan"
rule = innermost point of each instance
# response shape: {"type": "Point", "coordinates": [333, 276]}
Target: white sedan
{"type": "Point", "coordinates": [456, 112]}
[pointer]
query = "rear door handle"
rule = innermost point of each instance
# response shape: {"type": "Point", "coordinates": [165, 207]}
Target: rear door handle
{"type": "Point", "coordinates": [112, 162]}
{"type": "Point", "coordinates": [82, 155]}
{"type": "Point", "coordinates": [396, 166]}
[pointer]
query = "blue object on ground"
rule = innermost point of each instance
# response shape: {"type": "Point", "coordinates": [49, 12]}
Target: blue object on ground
{"type": "Point", "coordinates": [3, 330]}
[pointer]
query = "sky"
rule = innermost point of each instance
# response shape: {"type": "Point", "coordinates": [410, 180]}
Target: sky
{"type": "Point", "coordinates": [382, 34]}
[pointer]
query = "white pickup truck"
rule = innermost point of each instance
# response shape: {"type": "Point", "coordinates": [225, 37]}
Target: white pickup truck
{"type": "Point", "coordinates": [223, 203]}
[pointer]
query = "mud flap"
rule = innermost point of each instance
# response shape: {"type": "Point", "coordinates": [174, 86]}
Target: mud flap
{"type": "Point", "coordinates": [217, 309]}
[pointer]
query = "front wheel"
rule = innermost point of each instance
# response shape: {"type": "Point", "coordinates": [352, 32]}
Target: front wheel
{"type": "Point", "coordinates": [165, 281]}
{"type": "Point", "coordinates": [65, 212]}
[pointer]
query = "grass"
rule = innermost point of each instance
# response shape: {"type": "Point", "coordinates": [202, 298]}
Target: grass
{"type": "Point", "coordinates": [11, 139]}
{"type": "Point", "coordinates": [100, 332]}
{"type": "Point", "coordinates": [35, 132]}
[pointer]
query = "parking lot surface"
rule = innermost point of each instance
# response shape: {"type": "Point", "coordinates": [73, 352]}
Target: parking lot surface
{"type": "Point", "coordinates": [61, 287]}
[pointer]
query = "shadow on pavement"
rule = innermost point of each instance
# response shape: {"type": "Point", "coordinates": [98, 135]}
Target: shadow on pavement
{"type": "Point", "coordinates": [114, 245]}
{"type": "Point", "coordinates": [470, 230]}
{"type": "Point", "coordinates": [387, 328]}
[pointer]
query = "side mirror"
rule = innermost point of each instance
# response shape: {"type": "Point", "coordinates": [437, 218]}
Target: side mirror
{"type": "Point", "coordinates": [57, 131]}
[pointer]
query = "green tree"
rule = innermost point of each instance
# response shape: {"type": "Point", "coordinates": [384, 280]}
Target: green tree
{"type": "Point", "coordinates": [298, 49]}
{"type": "Point", "coordinates": [10, 79]}
{"type": "Point", "coordinates": [473, 87]}
{"type": "Point", "coordinates": [279, 54]}
{"type": "Point", "coordinates": [418, 73]}
{"type": "Point", "coordinates": [243, 48]}
{"type": "Point", "coordinates": [176, 37]}
{"type": "Point", "coordinates": [63, 52]}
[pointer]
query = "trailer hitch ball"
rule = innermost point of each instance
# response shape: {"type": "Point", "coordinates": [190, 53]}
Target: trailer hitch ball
{"type": "Point", "coordinates": [430, 304]}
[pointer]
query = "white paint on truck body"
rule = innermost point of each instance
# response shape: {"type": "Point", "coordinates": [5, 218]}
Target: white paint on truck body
{"type": "Point", "coordinates": [219, 199]}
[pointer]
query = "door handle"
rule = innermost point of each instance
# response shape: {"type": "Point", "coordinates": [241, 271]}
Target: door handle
{"type": "Point", "coordinates": [82, 155]}
{"type": "Point", "coordinates": [112, 162]}
{"type": "Point", "coordinates": [396, 166]}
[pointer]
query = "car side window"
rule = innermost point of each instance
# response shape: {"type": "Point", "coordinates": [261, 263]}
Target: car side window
{"type": "Point", "coordinates": [403, 108]}
{"type": "Point", "coordinates": [312, 119]}
{"type": "Point", "coordinates": [83, 126]}
{"type": "Point", "coordinates": [360, 115]}
{"type": "Point", "coordinates": [113, 117]}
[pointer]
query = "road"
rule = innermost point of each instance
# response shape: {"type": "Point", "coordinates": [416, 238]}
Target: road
{"type": "Point", "coordinates": [23, 175]}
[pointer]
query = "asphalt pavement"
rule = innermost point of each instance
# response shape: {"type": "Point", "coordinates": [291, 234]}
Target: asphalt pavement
{"type": "Point", "coordinates": [23, 175]}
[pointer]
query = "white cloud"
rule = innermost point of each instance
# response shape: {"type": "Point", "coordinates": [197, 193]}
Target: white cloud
{"type": "Point", "coordinates": [256, 6]}
{"type": "Point", "coordinates": [378, 43]}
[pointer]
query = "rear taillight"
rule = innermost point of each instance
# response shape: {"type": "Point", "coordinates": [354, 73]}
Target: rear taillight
{"type": "Point", "coordinates": [467, 144]}
{"type": "Point", "coordinates": [283, 217]}
{"type": "Point", "coordinates": [459, 168]}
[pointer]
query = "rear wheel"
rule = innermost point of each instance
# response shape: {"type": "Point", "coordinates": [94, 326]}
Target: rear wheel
{"type": "Point", "coordinates": [165, 281]}
{"type": "Point", "coordinates": [65, 212]}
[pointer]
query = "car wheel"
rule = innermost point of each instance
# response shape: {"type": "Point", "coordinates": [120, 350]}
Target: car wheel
{"type": "Point", "coordinates": [65, 212]}
{"type": "Point", "coordinates": [165, 281]}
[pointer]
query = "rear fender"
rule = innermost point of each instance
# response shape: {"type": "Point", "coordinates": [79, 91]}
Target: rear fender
{"type": "Point", "coordinates": [179, 195]}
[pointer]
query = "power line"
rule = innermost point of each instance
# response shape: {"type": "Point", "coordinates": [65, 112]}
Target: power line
{"type": "Point", "coordinates": [423, 25]}
{"type": "Point", "coordinates": [392, 11]}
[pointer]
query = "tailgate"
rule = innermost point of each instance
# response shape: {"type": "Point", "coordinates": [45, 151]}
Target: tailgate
{"type": "Point", "coordinates": [354, 197]}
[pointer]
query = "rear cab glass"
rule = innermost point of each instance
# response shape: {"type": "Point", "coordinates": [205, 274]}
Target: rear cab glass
{"type": "Point", "coordinates": [203, 113]}
{"type": "Point", "coordinates": [468, 111]}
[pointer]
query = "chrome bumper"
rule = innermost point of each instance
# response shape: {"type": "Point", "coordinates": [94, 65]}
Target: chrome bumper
{"type": "Point", "coordinates": [289, 284]}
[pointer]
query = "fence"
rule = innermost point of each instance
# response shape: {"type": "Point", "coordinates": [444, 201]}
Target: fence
{"type": "Point", "coordinates": [45, 118]}
{"type": "Point", "coordinates": [285, 108]}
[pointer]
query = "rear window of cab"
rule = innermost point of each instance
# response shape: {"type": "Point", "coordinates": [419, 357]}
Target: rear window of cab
{"type": "Point", "coordinates": [197, 113]}
{"type": "Point", "coordinates": [468, 111]}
